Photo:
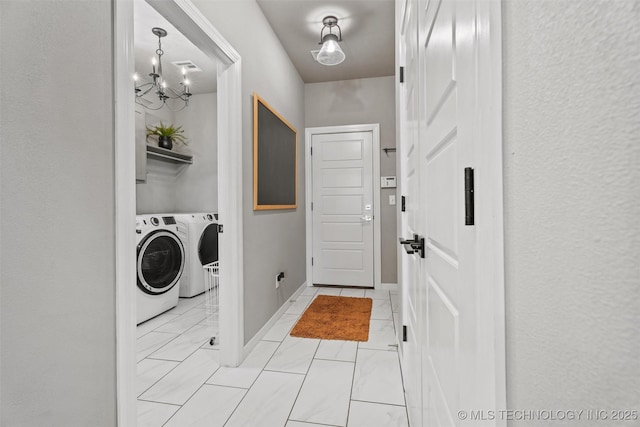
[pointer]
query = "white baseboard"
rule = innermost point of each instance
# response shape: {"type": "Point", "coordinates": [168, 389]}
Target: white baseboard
{"type": "Point", "coordinates": [389, 286]}
{"type": "Point", "coordinates": [276, 316]}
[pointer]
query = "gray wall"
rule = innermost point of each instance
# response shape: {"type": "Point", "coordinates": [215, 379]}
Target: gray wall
{"type": "Point", "coordinates": [57, 278]}
{"type": "Point", "coordinates": [185, 188]}
{"type": "Point", "coordinates": [273, 240]}
{"type": "Point", "coordinates": [197, 188]}
{"type": "Point", "coordinates": [571, 171]}
{"type": "Point", "coordinates": [359, 101]}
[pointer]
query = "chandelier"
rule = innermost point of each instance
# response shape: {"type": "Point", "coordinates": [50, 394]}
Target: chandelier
{"type": "Point", "coordinates": [179, 98]}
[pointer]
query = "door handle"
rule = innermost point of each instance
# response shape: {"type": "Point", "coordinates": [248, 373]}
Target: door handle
{"type": "Point", "coordinates": [366, 218]}
{"type": "Point", "coordinates": [414, 246]}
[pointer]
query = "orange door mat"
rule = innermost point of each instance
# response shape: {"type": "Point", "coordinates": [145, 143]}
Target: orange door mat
{"type": "Point", "coordinates": [335, 318]}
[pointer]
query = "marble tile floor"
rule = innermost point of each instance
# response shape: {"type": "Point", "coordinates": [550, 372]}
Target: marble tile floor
{"type": "Point", "coordinates": [283, 382]}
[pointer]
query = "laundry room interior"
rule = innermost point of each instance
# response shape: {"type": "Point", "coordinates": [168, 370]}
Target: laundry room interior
{"type": "Point", "coordinates": [176, 181]}
{"type": "Point", "coordinates": [172, 185]}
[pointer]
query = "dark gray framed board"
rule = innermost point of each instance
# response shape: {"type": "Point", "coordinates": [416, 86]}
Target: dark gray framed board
{"type": "Point", "coordinates": [275, 159]}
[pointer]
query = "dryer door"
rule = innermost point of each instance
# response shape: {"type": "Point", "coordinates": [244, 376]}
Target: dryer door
{"type": "Point", "coordinates": [208, 245]}
{"type": "Point", "coordinates": [160, 262]}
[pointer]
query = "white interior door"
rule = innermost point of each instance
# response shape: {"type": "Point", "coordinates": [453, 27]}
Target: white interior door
{"type": "Point", "coordinates": [446, 148]}
{"type": "Point", "coordinates": [342, 209]}
{"type": "Point", "coordinates": [449, 319]}
{"type": "Point", "coordinates": [410, 265]}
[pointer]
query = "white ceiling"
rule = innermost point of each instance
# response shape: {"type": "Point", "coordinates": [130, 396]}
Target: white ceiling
{"type": "Point", "coordinates": [176, 47]}
{"type": "Point", "coordinates": [367, 32]}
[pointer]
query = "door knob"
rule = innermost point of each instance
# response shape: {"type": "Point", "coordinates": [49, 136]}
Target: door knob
{"type": "Point", "coordinates": [414, 246]}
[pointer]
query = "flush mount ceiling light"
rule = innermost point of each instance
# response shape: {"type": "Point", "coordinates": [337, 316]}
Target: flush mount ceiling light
{"type": "Point", "coordinates": [180, 98]}
{"type": "Point", "coordinates": [330, 52]}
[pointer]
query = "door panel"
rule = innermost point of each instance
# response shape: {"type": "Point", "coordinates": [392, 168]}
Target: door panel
{"type": "Point", "coordinates": [343, 259]}
{"type": "Point", "coordinates": [345, 232]}
{"type": "Point", "coordinates": [443, 342]}
{"type": "Point", "coordinates": [439, 171]}
{"type": "Point", "coordinates": [339, 205]}
{"type": "Point", "coordinates": [343, 209]}
{"type": "Point", "coordinates": [342, 178]}
{"type": "Point", "coordinates": [438, 55]}
{"type": "Point", "coordinates": [341, 150]}
{"type": "Point", "coordinates": [409, 176]}
{"type": "Point", "coordinates": [441, 179]}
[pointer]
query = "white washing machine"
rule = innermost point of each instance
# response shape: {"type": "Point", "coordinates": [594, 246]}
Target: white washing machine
{"type": "Point", "coordinates": [199, 234]}
{"type": "Point", "coordinates": [160, 261]}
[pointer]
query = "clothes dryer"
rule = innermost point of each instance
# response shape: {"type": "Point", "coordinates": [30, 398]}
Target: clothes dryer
{"type": "Point", "coordinates": [160, 261]}
{"type": "Point", "coordinates": [199, 234]}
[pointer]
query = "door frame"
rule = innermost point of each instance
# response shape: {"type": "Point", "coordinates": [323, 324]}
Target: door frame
{"type": "Point", "coordinates": [488, 181]}
{"type": "Point", "coordinates": [374, 128]}
{"type": "Point", "coordinates": [195, 26]}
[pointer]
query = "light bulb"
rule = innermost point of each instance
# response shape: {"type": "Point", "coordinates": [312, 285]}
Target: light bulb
{"type": "Point", "coordinates": [331, 45]}
{"type": "Point", "coordinates": [330, 52]}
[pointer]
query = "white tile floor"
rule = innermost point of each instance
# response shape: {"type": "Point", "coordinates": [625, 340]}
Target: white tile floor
{"type": "Point", "coordinates": [283, 382]}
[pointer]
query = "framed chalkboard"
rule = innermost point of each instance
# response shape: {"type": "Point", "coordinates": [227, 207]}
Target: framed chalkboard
{"type": "Point", "coordinates": [275, 159]}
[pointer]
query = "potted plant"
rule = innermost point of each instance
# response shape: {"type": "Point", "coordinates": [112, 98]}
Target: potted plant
{"type": "Point", "coordinates": [167, 135]}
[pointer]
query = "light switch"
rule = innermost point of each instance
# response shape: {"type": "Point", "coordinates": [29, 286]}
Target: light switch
{"type": "Point", "coordinates": [392, 199]}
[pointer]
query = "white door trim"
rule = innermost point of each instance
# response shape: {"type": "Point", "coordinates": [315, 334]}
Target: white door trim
{"type": "Point", "coordinates": [125, 205]}
{"type": "Point", "coordinates": [374, 128]}
{"type": "Point", "coordinates": [489, 185]}
{"type": "Point", "coordinates": [188, 20]}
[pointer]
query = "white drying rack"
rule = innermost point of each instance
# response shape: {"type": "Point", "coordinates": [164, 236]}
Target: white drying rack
{"type": "Point", "coordinates": [212, 298]}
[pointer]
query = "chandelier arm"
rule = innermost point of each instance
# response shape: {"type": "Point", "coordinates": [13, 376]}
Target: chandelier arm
{"type": "Point", "coordinates": [175, 95]}
{"type": "Point", "coordinates": [151, 86]}
{"type": "Point", "coordinates": [161, 105]}
{"type": "Point", "coordinates": [179, 109]}
{"type": "Point", "coordinates": [148, 107]}
{"type": "Point", "coordinates": [170, 93]}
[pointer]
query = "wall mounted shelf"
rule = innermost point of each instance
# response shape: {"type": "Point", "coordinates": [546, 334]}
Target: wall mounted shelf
{"type": "Point", "coordinates": [168, 155]}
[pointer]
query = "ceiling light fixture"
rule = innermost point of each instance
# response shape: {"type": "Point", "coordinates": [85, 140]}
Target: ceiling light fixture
{"type": "Point", "coordinates": [330, 52]}
{"type": "Point", "coordinates": [159, 84]}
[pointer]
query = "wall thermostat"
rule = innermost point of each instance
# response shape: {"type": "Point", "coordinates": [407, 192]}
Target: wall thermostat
{"type": "Point", "coordinates": [388, 182]}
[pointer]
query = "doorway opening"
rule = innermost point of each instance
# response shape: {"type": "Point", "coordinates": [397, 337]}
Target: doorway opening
{"type": "Point", "coordinates": [187, 19]}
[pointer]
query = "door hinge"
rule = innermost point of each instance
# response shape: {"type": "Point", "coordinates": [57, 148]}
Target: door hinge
{"type": "Point", "coordinates": [404, 333]}
{"type": "Point", "coordinates": [311, 205]}
{"type": "Point", "coordinates": [219, 228]}
{"type": "Point", "coordinates": [311, 150]}
{"type": "Point", "coordinates": [311, 260]}
{"type": "Point", "coordinates": [403, 204]}
{"type": "Point", "coordinates": [401, 74]}
{"type": "Point", "coordinates": [468, 197]}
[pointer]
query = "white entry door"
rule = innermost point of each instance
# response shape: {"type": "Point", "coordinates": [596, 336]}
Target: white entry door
{"type": "Point", "coordinates": [452, 294]}
{"type": "Point", "coordinates": [343, 209]}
